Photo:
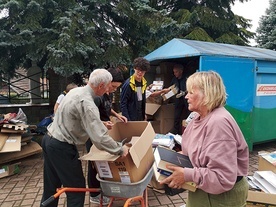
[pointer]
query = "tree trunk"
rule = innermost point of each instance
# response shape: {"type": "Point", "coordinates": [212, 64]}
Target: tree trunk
{"type": "Point", "coordinates": [57, 84]}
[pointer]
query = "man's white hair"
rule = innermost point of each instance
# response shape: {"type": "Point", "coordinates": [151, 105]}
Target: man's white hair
{"type": "Point", "coordinates": [100, 76]}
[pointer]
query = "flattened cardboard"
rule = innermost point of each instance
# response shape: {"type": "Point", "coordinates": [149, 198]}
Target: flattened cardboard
{"type": "Point", "coordinates": [14, 128]}
{"type": "Point", "coordinates": [26, 150]}
{"type": "Point", "coordinates": [3, 139]}
{"type": "Point", "coordinates": [13, 143]}
{"type": "Point", "coordinates": [136, 164]}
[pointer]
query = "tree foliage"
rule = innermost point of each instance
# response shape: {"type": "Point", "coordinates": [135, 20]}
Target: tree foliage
{"type": "Point", "coordinates": [210, 21]}
{"type": "Point", "coordinates": [75, 36]}
{"type": "Point", "coordinates": [266, 32]}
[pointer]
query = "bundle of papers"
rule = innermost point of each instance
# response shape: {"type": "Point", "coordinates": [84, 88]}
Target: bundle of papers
{"type": "Point", "coordinates": [157, 86]}
{"type": "Point", "coordinates": [163, 140]}
{"type": "Point", "coordinates": [263, 180]}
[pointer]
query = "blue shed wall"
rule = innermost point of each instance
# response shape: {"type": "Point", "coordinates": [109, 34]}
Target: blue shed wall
{"type": "Point", "coordinates": [238, 77]}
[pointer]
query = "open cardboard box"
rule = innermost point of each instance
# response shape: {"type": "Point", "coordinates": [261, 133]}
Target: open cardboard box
{"type": "Point", "coordinates": [136, 164]}
{"type": "Point", "coordinates": [174, 90]}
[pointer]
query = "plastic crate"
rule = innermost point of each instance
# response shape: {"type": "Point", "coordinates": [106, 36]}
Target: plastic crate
{"type": "Point", "coordinates": [125, 190]}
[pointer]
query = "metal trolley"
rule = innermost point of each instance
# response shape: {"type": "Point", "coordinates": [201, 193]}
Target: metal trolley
{"type": "Point", "coordinates": [130, 192]}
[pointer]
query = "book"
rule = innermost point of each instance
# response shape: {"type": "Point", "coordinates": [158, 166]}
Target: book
{"type": "Point", "coordinates": [191, 186]}
{"type": "Point", "coordinates": [164, 156]}
{"type": "Point", "coordinates": [164, 172]}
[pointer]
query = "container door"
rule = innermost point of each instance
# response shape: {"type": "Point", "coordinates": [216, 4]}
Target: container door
{"type": "Point", "coordinates": [237, 74]}
{"type": "Point", "coordinates": [265, 102]}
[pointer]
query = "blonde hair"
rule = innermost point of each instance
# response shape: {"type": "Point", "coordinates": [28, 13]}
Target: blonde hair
{"type": "Point", "coordinates": [212, 87]}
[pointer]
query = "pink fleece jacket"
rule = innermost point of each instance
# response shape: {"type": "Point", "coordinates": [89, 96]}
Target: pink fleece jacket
{"type": "Point", "coordinates": [217, 150]}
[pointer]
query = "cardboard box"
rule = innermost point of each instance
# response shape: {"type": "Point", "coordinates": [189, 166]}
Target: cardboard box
{"type": "Point", "coordinates": [265, 163]}
{"type": "Point", "coordinates": [162, 113]}
{"type": "Point", "coordinates": [151, 109]}
{"type": "Point", "coordinates": [156, 126]}
{"type": "Point", "coordinates": [155, 100]}
{"type": "Point", "coordinates": [165, 112]}
{"type": "Point", "coordinates": [7, 170]}
{"type": "Point", "coordinates": [261, 197]}
{"type": "Point", "coordinates": [136, 164]}
{"type": "Point", "coordinates": [174, 90]}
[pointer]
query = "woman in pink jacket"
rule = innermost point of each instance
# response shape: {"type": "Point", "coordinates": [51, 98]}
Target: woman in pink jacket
{"type": "Point", "coordinates": [215, 145]}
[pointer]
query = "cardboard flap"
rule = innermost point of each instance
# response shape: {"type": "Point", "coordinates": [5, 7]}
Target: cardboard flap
{"type": "Point", "coordinates": [139, 150]}
{"type": "Point", "coordinates": [151, 108]}
{"type": "Point", "coordinates": [98, 155]}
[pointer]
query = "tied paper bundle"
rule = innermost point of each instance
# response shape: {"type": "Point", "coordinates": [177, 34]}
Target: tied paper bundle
{"type": "Point", "coordinates": [165, 140]}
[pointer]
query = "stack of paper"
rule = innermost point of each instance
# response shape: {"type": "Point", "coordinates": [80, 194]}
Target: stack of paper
{"type": "Point", "coordinates": [177, 138]}
{"type": "Point", "coordinates": [157, 85]}
{"type": "Point", "coordinates": [163, 140]}
{"type": "Point", "coordinates": [265, 180]}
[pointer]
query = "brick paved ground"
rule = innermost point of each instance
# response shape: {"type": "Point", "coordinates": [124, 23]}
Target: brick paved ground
{"type": "Point", "coordinates": [25, 188]}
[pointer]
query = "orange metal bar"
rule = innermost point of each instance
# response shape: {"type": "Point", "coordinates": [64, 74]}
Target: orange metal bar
{"type": "Point", "coordinates": [143, 199]}
{"type": "Point", "coordinates": [136, 198]}
{"type": "Point", "coordinates": [67, 189]}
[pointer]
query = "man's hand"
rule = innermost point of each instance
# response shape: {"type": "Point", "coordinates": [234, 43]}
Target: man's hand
{"type": "Point", "coordinates": [108, 124]}
{"type": "Point", "coordinates": [125, 151]}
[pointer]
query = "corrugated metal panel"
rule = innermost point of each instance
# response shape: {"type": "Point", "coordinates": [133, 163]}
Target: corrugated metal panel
{"type": "Point", "coordinates": [179, 48]}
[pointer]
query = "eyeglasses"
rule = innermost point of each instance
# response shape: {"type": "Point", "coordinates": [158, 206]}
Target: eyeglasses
{"type": "Point", "coordinates": [140, 71]}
